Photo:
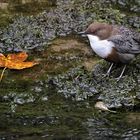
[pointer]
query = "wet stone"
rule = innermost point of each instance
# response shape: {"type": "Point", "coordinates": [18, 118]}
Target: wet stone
{"type": "Point", "coordinates": [56, 98]}
{"type": "Point", "coordinates": [30, 32]}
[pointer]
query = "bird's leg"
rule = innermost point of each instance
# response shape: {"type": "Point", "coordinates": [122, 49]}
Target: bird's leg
{"type": "Point", "coordinates": [109, 70]}
{"type": "Point", "coordinates": [121, 73]}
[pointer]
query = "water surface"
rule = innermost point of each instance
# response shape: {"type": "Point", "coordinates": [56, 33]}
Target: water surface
{"type": "Point", "coordinates": [55, 100]}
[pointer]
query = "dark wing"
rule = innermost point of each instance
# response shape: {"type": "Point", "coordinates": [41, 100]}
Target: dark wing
{"type": "Point", "coordinates": [137, 37]}
{"type": "Point", "coordinates": [127, 42]}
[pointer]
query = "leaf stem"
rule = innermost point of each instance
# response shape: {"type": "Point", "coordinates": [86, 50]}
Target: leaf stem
{"type": "Point", "coordinates": [2, 74]}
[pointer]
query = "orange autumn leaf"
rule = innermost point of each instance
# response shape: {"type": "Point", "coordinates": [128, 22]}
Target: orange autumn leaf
{"type": "Point", "coordinates": [2, 60]}
{"type": "Point", "coordinates": [22, 56]}
{"type": "Point", "coordinates": [15, 61]}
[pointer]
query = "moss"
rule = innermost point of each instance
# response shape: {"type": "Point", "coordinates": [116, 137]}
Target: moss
{"type": "Point", "coordinates": [57, 97]}
{"type": "Point", "coordinates": [108, 14]}
{"type": "Point", "coordinates": [6, 18]}
{"type": "Point", "coordinates": [31, 7]}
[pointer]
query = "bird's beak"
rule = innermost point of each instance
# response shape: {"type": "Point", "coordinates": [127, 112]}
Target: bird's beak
{"type": "Point", "coordinates": [83, 34]}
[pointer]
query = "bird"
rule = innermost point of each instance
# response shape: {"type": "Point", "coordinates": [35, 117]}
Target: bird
{"type": "Point", "coordinates": [114, 43]}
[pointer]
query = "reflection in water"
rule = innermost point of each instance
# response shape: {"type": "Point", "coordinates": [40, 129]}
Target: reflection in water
{"type": "Point", "coordinates": [37, 111]}
{"type": "Point", "coordinates": [101, 128]}
{"type": "Point", "coordinates": [26, 6]}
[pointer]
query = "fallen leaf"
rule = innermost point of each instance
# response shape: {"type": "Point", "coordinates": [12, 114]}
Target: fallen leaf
{"type": "Point", "coordinates": [15, 61]}
{"type": "Point", "coordinates": [2, 60]}
{"type": "Point", "coordinates": [22, 56]}
{"type": "Point", "coordinates": [101, 105]}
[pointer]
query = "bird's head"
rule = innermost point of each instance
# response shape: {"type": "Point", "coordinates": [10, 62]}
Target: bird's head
{"type": "Point", "coordinates": [101, 30]}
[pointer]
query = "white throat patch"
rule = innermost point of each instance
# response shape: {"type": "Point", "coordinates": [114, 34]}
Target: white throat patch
{"type": "Point", "coordinates": [101, 47]}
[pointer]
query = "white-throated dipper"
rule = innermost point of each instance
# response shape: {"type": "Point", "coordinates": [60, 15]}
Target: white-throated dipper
{"type": "Point", "coordinates": [116, 44]}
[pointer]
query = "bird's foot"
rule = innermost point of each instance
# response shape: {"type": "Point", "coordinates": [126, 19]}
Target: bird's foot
{"type": "Point", "coordinates": [118, 79]}
{"type": "Point", "coordinates": [105, 75]}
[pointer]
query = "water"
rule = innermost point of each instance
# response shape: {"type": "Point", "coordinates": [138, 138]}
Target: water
{"type": "Point", "coordinates": [55, 99]}
{"type": "Point", "coordinates": [26, 6]}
